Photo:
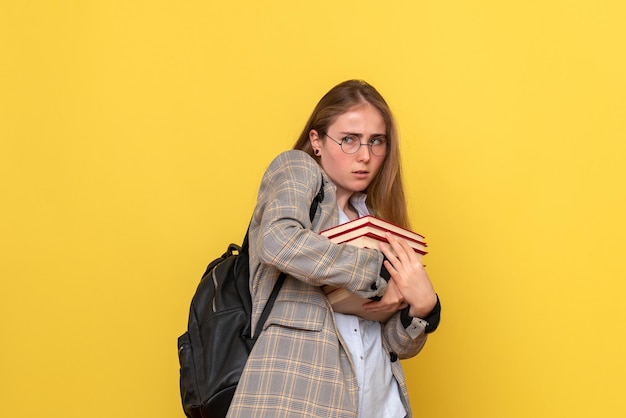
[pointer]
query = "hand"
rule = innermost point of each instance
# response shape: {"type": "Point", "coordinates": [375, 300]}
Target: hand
{"type": "Point", "coordinates": [391, 301]}
{"type": "Point", "coordinates": [409, 276]}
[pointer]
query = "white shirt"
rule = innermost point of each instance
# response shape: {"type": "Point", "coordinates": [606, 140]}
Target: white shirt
{"type": "Point", "coordinates": [379, 395]}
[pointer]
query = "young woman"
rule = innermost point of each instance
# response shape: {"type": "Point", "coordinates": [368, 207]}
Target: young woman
{"type": "Point", "coordinates": [311, 361]}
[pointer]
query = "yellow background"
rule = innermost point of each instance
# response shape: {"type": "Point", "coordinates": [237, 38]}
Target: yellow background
{"type": "Point", "coordinates": [133, 138]}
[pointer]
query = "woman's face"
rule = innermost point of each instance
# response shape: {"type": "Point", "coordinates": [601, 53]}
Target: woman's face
{"type": "Point", "coordinates": [351, 172]}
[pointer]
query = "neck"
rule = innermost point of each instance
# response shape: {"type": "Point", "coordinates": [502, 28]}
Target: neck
{"type": "Point", "coordinates": [344, 203]}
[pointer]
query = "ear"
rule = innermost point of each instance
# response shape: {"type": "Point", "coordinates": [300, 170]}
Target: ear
{"type": "Point", "coordinates": [315, 139]}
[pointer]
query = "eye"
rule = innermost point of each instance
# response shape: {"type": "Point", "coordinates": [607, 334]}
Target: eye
{"type": "Point", "coordinates": [378, 141]}
{"type": "Point", "coordinates": [349, 140]}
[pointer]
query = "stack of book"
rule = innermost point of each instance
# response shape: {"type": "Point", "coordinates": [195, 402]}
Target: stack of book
{"type": "Point", "coordinates": [366, 232]}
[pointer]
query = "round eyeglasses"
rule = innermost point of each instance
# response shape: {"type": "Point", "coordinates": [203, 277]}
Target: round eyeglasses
{"type": "Point", "coordinates": [350, 144]}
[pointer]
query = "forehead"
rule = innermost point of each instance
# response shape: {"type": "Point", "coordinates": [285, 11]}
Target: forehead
{"type": "Point", "coordinates": [363, 118]}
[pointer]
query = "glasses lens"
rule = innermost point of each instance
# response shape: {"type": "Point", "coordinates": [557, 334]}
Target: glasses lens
{"type": "Point", "coordinates": [379, 149]}
{"type": "Point", "coordinates": [350, 144]}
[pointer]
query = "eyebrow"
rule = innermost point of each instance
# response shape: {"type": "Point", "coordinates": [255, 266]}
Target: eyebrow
{"type": "Point", "coordinates": [361, 135]}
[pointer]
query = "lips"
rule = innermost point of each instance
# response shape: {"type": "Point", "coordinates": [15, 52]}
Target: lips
{"type": "Point", "coordinates": [361, 173]}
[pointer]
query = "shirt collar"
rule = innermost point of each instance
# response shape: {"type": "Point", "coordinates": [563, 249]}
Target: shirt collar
{"type": "Point", "coordinates": [357, 200]}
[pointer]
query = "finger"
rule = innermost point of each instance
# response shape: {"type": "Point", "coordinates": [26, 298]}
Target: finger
{"type": "Point", "coordinates": [385, 248]}
{"type": "Point", "coordinates": [392, 240]}
{"type": "Point", "coordinates": [406, 255]}
{"type": "Point", "coordinates": [390, 268]}
{"type": "Point", "coordinates": [374, 306]}
{"type": "Point", "coordinates": [399, 246]}
{"type": "Point", "coordinates": [405, 245]}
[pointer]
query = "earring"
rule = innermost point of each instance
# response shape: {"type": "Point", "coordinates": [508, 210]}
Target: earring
{"type": "Point", "coordinates": [316, 152]}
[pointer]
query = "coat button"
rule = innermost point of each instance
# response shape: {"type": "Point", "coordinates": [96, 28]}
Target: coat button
{"type": "Point", "coordinates": [393, 357]}
{"type": "Point", "coordinates": [373, 286]}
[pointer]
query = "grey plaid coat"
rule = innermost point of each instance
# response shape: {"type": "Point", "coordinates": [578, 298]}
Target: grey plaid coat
{"type": "Point", "coordinates": [299, 366]}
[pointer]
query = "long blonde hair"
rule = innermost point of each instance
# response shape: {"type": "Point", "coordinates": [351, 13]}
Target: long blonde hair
{"type": "Point", "coordinates": [385, 195]}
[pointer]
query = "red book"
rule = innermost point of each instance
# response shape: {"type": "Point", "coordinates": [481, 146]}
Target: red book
{"type": "Point", "coordinates": [370, 239]}
{"type": "Point", "coordinates": [366, 232]}
{"type": "Point", "coordinates": [372, 225]}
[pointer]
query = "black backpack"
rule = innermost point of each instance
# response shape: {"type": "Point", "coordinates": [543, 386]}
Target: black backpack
{"type": "Point", "coordinates": [213, 351]}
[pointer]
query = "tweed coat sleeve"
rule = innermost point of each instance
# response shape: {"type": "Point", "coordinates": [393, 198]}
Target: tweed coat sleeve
{"type": "Point", "coordinates": [399, 341]}
{"type": "Point", "coordinates": [282, 238]}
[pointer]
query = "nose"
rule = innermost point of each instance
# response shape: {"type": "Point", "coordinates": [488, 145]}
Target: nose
{"type": "Point", "coordinates": [364, 152]}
